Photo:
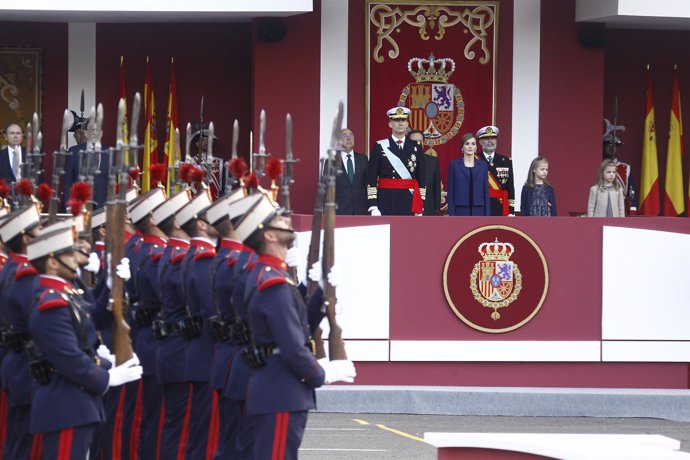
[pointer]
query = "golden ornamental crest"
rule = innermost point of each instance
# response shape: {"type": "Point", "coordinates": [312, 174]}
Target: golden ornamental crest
{"type": "Point", "coordinates": [495, 281]}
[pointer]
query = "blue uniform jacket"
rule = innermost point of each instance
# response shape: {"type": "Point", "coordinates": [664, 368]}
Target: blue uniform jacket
{"type": "Point", "coordinates": [148, 291]}
{"type": "Point", "coordinates": [197, 274]}
{"type": "Point", "coordinates": [66, 337]}
{"type": "Point", "coordinates": [172, 350]}
{"type": "Point", "coordinates": [278, 317]}
{"type": "Point", "coordinates": [17, 300]}
{"type": "Point", "coordinates": [223, 273]}
{"type": "Point", "coordinates": [100, 180]}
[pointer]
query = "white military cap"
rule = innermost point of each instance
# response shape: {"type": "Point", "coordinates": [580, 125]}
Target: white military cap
{"type": "Point", "coordinates": [259, 214]}
{"type": "Point", "coordinates": [398, 113]}
{"type": "Point", "coordinates": [194, 208]}
{"type": "Point", "coordinates": [219, 210]}
{"type": "Point", "coordinates": [170, 206]}
{"type": "Point", "coordinates": [75, 223]}
{"type": "Point", "coordinates": [19, 222]}
{"type": "Point", "coordinates": [98, 218]}
{"type": "Point", "coordinates": [131, 195]}
{"type": "Point", "coordinates": [142, 206]}
{"type": "Point", "coordinates": [51, 243]}
{"type": "Point", "coordinates": [239, 208]}
{"type": "Point", "coordinates": [487, 131]}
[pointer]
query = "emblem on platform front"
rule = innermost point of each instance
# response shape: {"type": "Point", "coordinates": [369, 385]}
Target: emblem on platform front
{"type": "Point", "coordinates": [496, 281]}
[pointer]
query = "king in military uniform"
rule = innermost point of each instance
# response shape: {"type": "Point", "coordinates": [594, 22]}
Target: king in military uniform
{"type": "Point", "coordinates": [501, 186]}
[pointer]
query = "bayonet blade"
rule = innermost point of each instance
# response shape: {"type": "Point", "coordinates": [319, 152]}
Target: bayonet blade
{"type": "Point", "coordinates": [209, 149]}
{"type": "Point", "coordinates": [188, 144]}
{"type": "Point", "coordinates": [35, 127]}
{"type": "Point", "coordinates": [66, 123]}
{"type": "Point", "coordinates": [91, 128]}
{"type": "Point", "coordinates": [136, 110]}
{"type": "Point", "coordinates": [81, 104]}
{"type": "Point", "coordinates": [235, 138]}
{"type": "Point", "coordinates": [99, 127]}
{"type": "Point", "coordinates": [119, 135]}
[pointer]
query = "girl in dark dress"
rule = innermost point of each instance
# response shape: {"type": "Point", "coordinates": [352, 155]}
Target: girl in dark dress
{"type": "Point", "coordinates": [538, 197]}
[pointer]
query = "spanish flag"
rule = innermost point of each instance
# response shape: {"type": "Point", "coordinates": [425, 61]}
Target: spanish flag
{"type": "Point", "coordinates": [650, 200]}
{"type": "Point", "coordinates": [150, 135]}
{"type": "Point", "coordinates": [123, 95]}
{"type": "Point", "coordinates": [674, 201]}
{"type": "Point", "coordinates": [171, 124]}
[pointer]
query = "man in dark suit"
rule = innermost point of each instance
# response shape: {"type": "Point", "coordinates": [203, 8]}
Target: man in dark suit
{"type": "Point", "coordinates": [12, 156]}
{"type": "Point", "coordinates": [501, 180]}
{"type": "Point", "coordinates": [395, 173]}
{"type": "Point", "coordinates": [351, 185]}
{"type": "Point", "coordinates": [73, 164]}
{"type": "Point", "coordinates": [432, 178]}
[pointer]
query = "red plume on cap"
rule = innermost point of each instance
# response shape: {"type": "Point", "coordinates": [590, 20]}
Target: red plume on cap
{"type": "Point", "coordinates": [134, 173]}
{"type": "Point", "coordinates": [198, 174]}
{"type": "Point", "coordinates": [4, 189]}
{"type": "Point", "coordinates": [186, 171]}
{"type": "Point", "coordinates": [80, 191]}
{"type": "Point", "coordinates": [24, 188]}
{"type": "Point", "coordinates": [75, 206]}
{"type": "Point", "coordinates": [237, 167]}
{"type": "Point", "coordinates": [158, 171]}
{"type": "Point", "coordinates": [44, 192]}
{"type": "Point", "coordinates": [251, 181]}
{"type": "Point", "coordinates": [274, 168]}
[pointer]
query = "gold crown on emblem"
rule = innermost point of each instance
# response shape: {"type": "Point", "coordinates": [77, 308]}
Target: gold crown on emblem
{"type": "Point", "coordinates": [432, 69]}
{"type": "Point", "coordinates": [496, 250]}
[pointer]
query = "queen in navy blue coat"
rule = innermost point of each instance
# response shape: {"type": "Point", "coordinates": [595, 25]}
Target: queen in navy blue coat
{"type": "Point", "coordinates": [468, 182]}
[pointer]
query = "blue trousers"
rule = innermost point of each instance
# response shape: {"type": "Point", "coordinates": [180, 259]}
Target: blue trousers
{"type": "Point", "coordinates": [69, 443]}
{"type": "Point", "coordinates": [177, 400]}
{"type": "Point", "coordinates": [278, 436]}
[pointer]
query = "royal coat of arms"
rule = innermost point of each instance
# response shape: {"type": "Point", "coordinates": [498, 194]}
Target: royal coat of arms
{"type": "Point", "coordinates": [437, 107]}
{"type": "Point", "coordinates": [496, 281]}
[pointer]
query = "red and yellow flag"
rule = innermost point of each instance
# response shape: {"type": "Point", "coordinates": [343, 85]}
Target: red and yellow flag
{"type": "Point", "coordinates": [123, 95]}
{"type": "Point", "coordinates": [150, 135]}
{"type": "Point", "coordinates": [170, 125]}
{"type": "Point", "coordinates": [650, 199]}
{"type": "Point", "coordinates": [674, 201]}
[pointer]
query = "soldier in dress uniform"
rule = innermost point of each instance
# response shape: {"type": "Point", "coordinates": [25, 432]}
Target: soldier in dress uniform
{"type": "Point", "coordinates": [281, 390]}
{"type": "Point", "coordinates": [170, 329]}
{"type": "Point", "coordinates": [198, 296]}
{"type": "Point", "coordinates": [217, 180]}
{"type": "Point", "coordinates": [71, 378]}
{"type": "Point", "coordinates": [224, 271]}
{"type": "Point", "coordinates": [145, 311]}
{"type": "Point", "coordinates": [16, 290]}
{"type": "Point", "coordinates": [501, 186]}
{"type": "Point", "coordinates": [395, 174]}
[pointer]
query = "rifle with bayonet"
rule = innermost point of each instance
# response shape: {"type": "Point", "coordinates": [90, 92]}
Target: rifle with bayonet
{"type": "Point", "coordinates": [232, 183]}
{"type": "Point", "coordinates": [209, 156]}
{"type": "Point", "coordinates": [59, 158]}
{"type": "Point", "coordinates": [259, 159]}
{"type": "Point", "coordinates": [115, 241]}
{"type": "Point", "coordinates": [336, 346]}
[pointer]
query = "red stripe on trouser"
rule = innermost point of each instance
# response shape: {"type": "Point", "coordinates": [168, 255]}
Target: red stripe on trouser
{"type": "Point", "coordinates": [280, 435]}
{"type": "Point", "coordinates": [159, 434]}
{"type": "Point", "coordinates": [398, 184]}
{"type": "Point", "coordinates": [37, 447]}
{"type": "Point", "coordinates": [185, 426]}
{"type": "Point", "coordinates": [3, 419]}
{"type": "Point", "coordinates": [117, 424]}
{"type": "Point", "coordinates": [136, 422]}
{"type": "Point", "coordinates": [213, 428]}
{"type": "Point", "coordinates": [65, 444]}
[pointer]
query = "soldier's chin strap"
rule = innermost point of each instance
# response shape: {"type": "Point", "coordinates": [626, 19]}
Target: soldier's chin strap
{"type": "Point", "coordinates": [57, 257]}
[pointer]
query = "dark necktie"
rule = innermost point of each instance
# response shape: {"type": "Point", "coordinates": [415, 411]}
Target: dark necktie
{"type": "Point", "coordinates": [490, 159]}
{"type": "Point", "coordinates": [400, 143]}
{"type": "Point", "coordinates": [350, 167]}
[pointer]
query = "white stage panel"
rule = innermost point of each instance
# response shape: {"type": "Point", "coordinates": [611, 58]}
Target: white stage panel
{"type": "Point", "coordinates": [362, 263]}
{"type": "Point", "coordinates": [645, 352]}
{"type": "Point", "coordinates": [644, 277]}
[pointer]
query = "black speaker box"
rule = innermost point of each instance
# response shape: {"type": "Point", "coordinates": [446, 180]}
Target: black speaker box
{"type": "Point", "coordinates": [272, 30]}
{"type": "Point", "coordinates": [592, 37]}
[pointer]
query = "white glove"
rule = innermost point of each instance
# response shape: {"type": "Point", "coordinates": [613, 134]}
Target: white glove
{"type": "Point", "coordinates": [315, 273]}
{"type": "Point", "coordinates": [340, 370]}
{"type": "Point", "coordinates": [375, 211]}
{"type": "Point", "coordinates": [291, 259]}
{"type": "Point", "coordinates": [417, 214]}
{"type": "Point", "coordinates": [128, 371]}
{"type": "Point", "coordinates": [94, 263]}
{"type": "Point", "coordinates": [121, 270]}
{"type": "Point", "coordinates": [333, 277]}
{"type": "Point", "coordinates": [104, 353]}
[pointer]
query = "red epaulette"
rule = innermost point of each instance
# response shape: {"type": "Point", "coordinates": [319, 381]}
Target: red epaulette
{"type": "Point", "coordinates": [25, 270]}
{"type": "Point", "coordinates": [205, 254]}
{"type": "Point", "coordinates": [156, 252]}
{"type": "Point", "coordinates": [177, 257]}
{"type": "Point", "coordinates": [268, 278]}
{"type": "Point", "coordinates": [53, 303]}
{"type": "Point", "coordinates": [232, 259]}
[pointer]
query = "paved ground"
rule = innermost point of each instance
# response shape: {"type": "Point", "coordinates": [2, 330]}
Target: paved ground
{"type": "Point", "coordinates": [381, 437]}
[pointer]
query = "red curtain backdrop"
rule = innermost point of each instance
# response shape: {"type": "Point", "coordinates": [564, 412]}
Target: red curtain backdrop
{"type": "Point", "coordinates": [456, 94]}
